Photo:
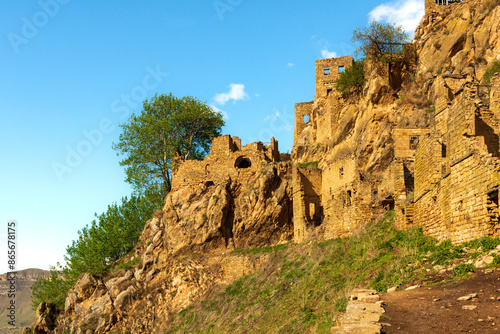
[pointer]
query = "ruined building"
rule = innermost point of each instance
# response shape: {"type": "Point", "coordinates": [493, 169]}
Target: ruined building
{"type": "Point", "coordinates": [227, 159]}
{"type": "Point", "coordinates": [358, 158]}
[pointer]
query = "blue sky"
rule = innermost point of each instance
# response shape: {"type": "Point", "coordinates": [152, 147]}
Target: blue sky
{"type": "Point", "coordinates": [71, 71]}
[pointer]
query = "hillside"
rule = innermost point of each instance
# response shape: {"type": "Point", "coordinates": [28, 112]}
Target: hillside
{"type": "Point", "coordinates": [24, 314]}
{"type": "Point", "coordinates": [383, 187]}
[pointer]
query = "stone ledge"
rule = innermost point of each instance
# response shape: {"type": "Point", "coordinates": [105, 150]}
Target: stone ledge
{"type": "Point", "coordinates": [362, 314]}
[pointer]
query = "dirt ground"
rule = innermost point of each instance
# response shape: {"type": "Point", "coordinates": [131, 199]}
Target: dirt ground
{"type": "Point", "coordinates": [435, 309]}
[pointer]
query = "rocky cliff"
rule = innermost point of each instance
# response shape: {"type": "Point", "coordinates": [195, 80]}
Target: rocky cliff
{"type": "Point", "coordinates": [186, 250]}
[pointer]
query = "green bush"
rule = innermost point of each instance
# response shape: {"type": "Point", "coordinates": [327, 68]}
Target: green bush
{"type": "Point", "coordinates": [352, 79]}
{"type": "Point", "coordinates": [307, 164]}
{"type": "Point", "coordinates": [463, 269]}
{"type": "Point", "coordinates": [494, 68]}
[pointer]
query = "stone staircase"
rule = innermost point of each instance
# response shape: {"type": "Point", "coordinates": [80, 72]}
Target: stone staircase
{"type": "Point", "coordinates": [362, 314]}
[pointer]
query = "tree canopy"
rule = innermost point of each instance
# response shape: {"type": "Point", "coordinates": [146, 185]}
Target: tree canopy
{"type": "Point", "coordinates": [380, 41]}
{"type": "Point", "coordinates": [167, 126]}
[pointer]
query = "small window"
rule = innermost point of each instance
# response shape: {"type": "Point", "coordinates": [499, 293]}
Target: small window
{"type": "Point", "coordinates": [341, 69]}
{"type": "Point", "coordinates": [326, 71]}
{"type": "Point", "coordinates": [306, 118]}
{"type": "Point", "coordinates": [328, 91]}
{"type": "Point", "coordinates": [312, 209]}
{"type": "Point", "coordinates": [341, 172]}
{"type": "Point", "coordinates": [209, 184]}
{"type": "Point", "coordinates": [414, 141]}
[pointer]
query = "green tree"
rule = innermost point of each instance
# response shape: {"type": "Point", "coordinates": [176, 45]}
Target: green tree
{"type": "Point", "coordinates": [167, 127]}
{"type": "Point", "coordinates": [52, 288]}
{"type": "Point", "coordinates": [352, 79]}
{"type": "Point", "coordinates": [110, 236]}
{"type": "Point", "coordinates": [380, 41]}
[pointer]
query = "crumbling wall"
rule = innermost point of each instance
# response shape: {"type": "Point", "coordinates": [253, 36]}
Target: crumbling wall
{"type": "Point", "coordinates": [327, 71]}
{"type": "Point", "coordinates": [303, 114]}
{"type": "Point", "coordinates": [307, 208]}
{"type": "Point", "coordinates": [456, 186]}
{"type": "Point", "coordinates": [406, 141]}
{"type": "Point", "coordinates": [227, 160]}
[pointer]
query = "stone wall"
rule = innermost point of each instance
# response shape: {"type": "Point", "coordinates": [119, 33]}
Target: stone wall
{"type": "Point", "coordinates": [303, 114]}
{"type": "Point", "coordinates": [307, 208]}
{"type": "Point", "coordinates": [457, 172]}
{"type": "Point", "coordinates": [406, 141]}
{"type": "Point", "coordinates": [327, 71]}
{"type": "Point", "coordinates": [227, 159]}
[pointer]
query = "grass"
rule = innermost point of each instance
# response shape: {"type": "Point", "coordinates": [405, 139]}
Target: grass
{"type": "Point", "coordinates": [303, 287]}
{"type": "Point", "coordinates": [494, 68]}
{"type": "Point", "coordinates": [307, 164]}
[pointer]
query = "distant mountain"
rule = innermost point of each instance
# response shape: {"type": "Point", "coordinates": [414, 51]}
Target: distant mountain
{"type": "Point", "coordinates": [24, 314]}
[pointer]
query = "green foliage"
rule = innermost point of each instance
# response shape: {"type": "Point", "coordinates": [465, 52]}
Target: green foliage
{"type": "Point", "coordinates": [108, 238]}
{"type": "Point", "coordinates": [341, 304]}
{"type": "Point", "coordinates": [168, 127]}
{"type": "Point", "coordinates": [307, 164]}
{"type": "Point", "coordinates": [380, 41]}
{"type": "Point", "coordinates": [112, 235]}
{"type": "Point", "coordinates": [486, 243]}
{"type": "Point", "coordinates": [52, 288]}
{"type": "Point", "coordinates": [430, 110]}
{"type": "Point", "coordinates": [352, 79]}
{"type": "Point", "coordinates": [494, 68]}
{"type": "Point", "coordinates": [463, 269]}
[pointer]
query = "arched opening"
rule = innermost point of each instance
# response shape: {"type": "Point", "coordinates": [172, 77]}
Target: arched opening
{"type": "Point", "coordinates": [306, 118]}
{"type": "Point", "coordinates": [242, 162]}
{"type": "Point", "coordinates": [209, 184]}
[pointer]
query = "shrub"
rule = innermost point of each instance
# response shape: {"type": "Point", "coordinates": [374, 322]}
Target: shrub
{"type": "Point", "coordinates": [352, 79]}
{"type": "Point", "coordinates": [307, 164]}
{"type": "Point", "coordinates": [494, 68]}
{"type": "Point", "coordinates": [463, 269]}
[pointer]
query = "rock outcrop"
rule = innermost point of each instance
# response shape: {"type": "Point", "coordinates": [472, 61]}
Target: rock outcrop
{"type": "Point", "coordinates": [185, 251]}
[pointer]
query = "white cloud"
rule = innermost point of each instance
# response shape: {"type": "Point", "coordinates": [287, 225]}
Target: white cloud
{"type": "Point", "coordinates": [272, 116]}
{"type": "Point", "coordinates": [225, 115]}
{"type": "Point", "coordinates": [236, 93]}
{"type": "Point", "coordinates": [405, 13]}
{"type": "Point", "coordinates": [328, 54]}
{"type": "Point", "coordinates": [290, 64]}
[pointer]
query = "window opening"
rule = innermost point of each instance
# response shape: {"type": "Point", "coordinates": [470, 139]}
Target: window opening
{"type": "Point", "coordinates": [306, 118]}
{"type": "Point", "coordinates": [326, 71]}
{"type": "Point", "coordinates": [414, 141]}
{"type": "Point", "coordinates": [341, 69]}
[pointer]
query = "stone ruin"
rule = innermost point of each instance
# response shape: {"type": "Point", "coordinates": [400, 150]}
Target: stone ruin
{"type": "Point", "coordinates": [227, 159]}
{"type": "Point", "coordinates": [444, 179]}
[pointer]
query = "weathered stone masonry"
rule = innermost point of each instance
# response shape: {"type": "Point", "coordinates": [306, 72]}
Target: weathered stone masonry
{"type": "Point", "coordinates": [227, 159]}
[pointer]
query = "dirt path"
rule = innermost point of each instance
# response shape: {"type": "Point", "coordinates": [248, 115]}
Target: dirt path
{"type": "Point", "coordinates": [436, 309]}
